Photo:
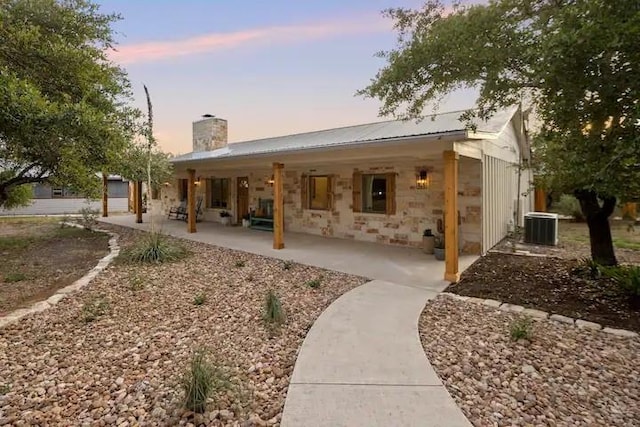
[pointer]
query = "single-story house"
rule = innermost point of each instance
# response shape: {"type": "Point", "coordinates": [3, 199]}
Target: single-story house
{"type": "Point", "coordinates": [56, 200]}
{"type": "Point", "coordinates": [383, 182]}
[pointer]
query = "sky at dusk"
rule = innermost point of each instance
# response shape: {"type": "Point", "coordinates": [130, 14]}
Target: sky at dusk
{"type": "Point", "coordinates": [269, 68]}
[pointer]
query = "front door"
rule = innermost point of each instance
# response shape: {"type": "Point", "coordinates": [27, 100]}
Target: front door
{"type": "Point", "coordinates": [243, 198]}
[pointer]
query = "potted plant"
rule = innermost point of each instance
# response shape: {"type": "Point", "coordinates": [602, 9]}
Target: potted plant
{"type": "Point", "coordinates": [428, 241]}
{"type": "Point", "coordinates": [246, 220]}
{"type": "Point", "coordinates": [225, 218]}
{"type": "Point", "coordinates": [438, 248]}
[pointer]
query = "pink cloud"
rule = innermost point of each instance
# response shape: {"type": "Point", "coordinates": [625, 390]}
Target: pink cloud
{"type": "Point", "coordinates": [154, 51]}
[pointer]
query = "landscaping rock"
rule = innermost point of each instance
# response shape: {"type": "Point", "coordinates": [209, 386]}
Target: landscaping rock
{"type": "Point", "coordinates": [562, 319]}
{"type": "Point", "coordinates": [492, 303]}
{"type": "Point", "coordinates": [565, 375]}
{"type": "Point", "coordinates": [535, 314]}
{"type": "Point", "coordinates": [124, 366]}
{"type": "Point", "coordinates": [512, 308]}
{"type": "Point", "coordinates": [620, 332]}
{"type": "Point", "coordinates": [589, 325]}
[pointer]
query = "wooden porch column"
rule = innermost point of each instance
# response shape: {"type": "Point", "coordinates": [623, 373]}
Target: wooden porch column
{"type": "Point", "coordinates": [191, 201]}
{"type": "Point", "coordinates": [278, 207]}
{"type": "Point", "coordinates": [451, 274]}
{"type": "Point", "coordinates": [105, 195]}
{"type": "Point", "coordinates": [139, 202]}
{"type": "Point", "coordinates": [540, 200]}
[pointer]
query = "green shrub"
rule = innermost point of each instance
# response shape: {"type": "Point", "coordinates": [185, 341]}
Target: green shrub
{"type": "Point", "coordinates": [588, 267]}
{"type": "Point", "coordinates": [95, 308]}
{"type": "Point", "coordinates": [200, 299]}
{"type": "Point", "coordinates": [314, 283]}
{"type": "Point", "coordinates": [4, 389]}
{"type": "Point", "coordinates": [89, 218]}
{"type": "Point", "coordinates": [569, 206]}
{"type": "Point", "coordinates": [521, 328]}
{"type": "Point", "coordinates": [14, 277]}
{"type": "Point", "coordinates": [136, 284]}
{"type": "Point", "coordinates": [155, 248]}
{"type": "Point", "coordinates": [240, 263]}
{"type": "Point", "coordinates": [287, 265]}
{"type": "Point", "coordinates": [273, 311]}
{"type": "Point", "coordinates": [625, 276]}
{"type": "Point", "coordinates": [201, 381]}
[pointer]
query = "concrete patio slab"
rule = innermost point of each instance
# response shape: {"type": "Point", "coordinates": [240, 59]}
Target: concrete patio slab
{"type": "Point", "coordinates": [408, 266]}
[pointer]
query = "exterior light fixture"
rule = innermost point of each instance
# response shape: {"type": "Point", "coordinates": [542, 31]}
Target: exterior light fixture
{"type": "Point", "coordinates": [422, 179]}
{"type": "Point", "coordinates": [271, 180]}
{"type": "Point", "coordinates": [197, 181]}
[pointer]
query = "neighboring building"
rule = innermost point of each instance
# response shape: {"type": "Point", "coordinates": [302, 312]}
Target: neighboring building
{"type": "Point", "coordinates": [49, 200]}
{"type": "Point", "coordinates": [381, 182]}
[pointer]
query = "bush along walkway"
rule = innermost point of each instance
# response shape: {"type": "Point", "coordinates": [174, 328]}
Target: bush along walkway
{"type": "Point", "coordinates": [114, 251]}
{"type": "Point", "coordinates": [362, 364]}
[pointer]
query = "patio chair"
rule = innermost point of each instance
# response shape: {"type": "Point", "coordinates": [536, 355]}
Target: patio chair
{"type": "Point", "coordinates": [185, 215]}
{"type": "Point", "coordinates": [177, 211]}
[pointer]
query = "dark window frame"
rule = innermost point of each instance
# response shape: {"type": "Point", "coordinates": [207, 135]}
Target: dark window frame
{"type": "Point", "coordinates": [381, 199]}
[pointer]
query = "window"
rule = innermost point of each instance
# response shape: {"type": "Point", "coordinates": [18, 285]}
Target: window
{"type": "Point", "coordinates": [183, 189]}
{"type": "Point", "coordinates": [317, 192]}
{"type": "Point", "coordinates": [219, 192]}
{"type": "Point", "coordinates": [374, 193]}
{"type": "Point", "coordinates": [57, 192]}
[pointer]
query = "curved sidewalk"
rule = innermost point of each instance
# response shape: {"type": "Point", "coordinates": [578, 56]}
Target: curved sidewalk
{"type": "Point", "coordinates": [362, 364]}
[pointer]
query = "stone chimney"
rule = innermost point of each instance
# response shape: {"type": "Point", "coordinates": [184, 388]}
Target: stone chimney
{"type": "Point", "coordinates": [209, 133]}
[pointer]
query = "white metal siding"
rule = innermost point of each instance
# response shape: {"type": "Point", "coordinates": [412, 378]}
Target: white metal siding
{"type": "Point", "coordinates": [499, 195]}
{"type": "Point", "coordinates": [65, 206]}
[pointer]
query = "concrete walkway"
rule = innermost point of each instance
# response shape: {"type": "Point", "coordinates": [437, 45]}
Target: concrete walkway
{"type": "Point", "coordinates": [362, 364]}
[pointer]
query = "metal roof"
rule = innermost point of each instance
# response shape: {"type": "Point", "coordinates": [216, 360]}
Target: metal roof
{"type": "Point", "coordinates": [435, 125]}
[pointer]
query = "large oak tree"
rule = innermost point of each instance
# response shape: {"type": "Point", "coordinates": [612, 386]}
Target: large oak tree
{"type": "Point", "coordinates": [577, 62]}
{"type": "Point", "coordinates": [64, 107]}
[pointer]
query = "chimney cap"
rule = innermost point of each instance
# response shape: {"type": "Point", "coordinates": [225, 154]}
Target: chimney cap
{"type": "Point", "coordinates": [207, 115]}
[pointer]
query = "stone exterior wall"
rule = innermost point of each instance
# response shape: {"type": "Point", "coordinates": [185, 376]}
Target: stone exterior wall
{"type": "Point", "coordinates": [209, 134]}
{"type": "Point", "coordinates": [416, 209]}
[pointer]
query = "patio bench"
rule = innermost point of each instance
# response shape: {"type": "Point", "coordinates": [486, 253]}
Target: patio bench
{"type": "Point", "coordinates": [261, 223]}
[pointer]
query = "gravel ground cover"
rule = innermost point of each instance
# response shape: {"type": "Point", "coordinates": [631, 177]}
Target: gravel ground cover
{"type": "Point", "coordinates": [563, 376]}
{"type": "Point", "coordinates": [124, 366]}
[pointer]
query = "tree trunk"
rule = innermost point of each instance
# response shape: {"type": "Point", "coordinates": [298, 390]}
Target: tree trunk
{"type": "Point", "coordinates": [599, 228]}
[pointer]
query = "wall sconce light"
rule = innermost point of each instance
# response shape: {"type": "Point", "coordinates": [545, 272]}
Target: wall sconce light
{"type": "Point", "coordinates": [167, 184]}
{"type": "Point", "coordinates": [423, 179]}
{"type": "Point", "coordinates": [270, 181]}
{"type": "Point", "coordinates": [197, 181]}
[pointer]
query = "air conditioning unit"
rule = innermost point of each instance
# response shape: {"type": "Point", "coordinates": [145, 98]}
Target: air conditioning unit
{"type": "Point", "coordinates": [541, 228]}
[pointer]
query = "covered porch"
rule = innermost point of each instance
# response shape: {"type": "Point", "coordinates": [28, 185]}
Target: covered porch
{"type": "Point", "coordinates": [401, 265]}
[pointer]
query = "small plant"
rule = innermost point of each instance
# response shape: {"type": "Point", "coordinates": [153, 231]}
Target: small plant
{"type": "Point", "coordinates": [521, 328]}
{"type": "Point", "coordinates": [250, 277]}
{"type": "Point", "coordinates": [314, 283]}
{"type": "Point", "coordinates": [199, 299]}
{"type": "Point", "coordinates": [627, 277]}
{"type": "Point", "coordinates": [225, 214]}
{"type": "Point", "coordinates": [136, 284]}
{"type": "Point", "coordinates": [588, 267]}
{"type": "Point", "coordinates": [438, 242]}
{"type": "Point", "coordinates": [273, 312]}
{"type": "Point", "coordinates": [427, 233]}
{"type": "Point", "coordinates": [14, 277]}
{"type": "Point", "coordinates": [4, 389]}
{"type": "Point", "coordinates": [89, 218]}
{"type": "Point", "coordinates": [287, 265]}
{"type": "Point", "coordinates": [240, 263]}
{"type": "Point", "coordinates": [201, 381]}
{"type": "Point", "coordinates": [156, 248]}
{"type": "Point", "coordinates": [94, 309]}
{"type": "Point", "coordinates": [64, 222]}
